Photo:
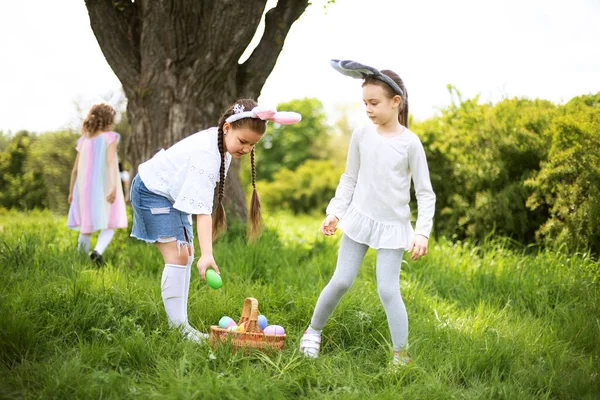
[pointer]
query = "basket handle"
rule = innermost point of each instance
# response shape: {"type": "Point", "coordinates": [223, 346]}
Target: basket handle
{"type": "Point", "coordinates": [250, 314]}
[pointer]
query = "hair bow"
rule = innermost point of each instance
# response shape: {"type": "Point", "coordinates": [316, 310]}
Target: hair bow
{"type": "Point", "coordinates": [266, 114]}
{"type": "Point", "coordinates": [360, 71]}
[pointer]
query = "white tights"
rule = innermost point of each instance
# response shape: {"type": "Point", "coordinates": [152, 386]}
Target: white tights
{"type": "Point", "coordinates": [350, 257]}
{"type": "Point", "coordinates": [104, 239]}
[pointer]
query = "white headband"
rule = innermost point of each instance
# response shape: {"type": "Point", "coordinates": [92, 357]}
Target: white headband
{"type": "Point", "coordinates": [266, 114]}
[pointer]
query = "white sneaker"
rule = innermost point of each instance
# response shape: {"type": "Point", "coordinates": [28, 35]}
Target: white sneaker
{"type": "Point", "coordinates": [401, 360]}
{"type": "Point", "coordinates": [310, 344]}
{"type": "Point", "coordinates": [193, 334]}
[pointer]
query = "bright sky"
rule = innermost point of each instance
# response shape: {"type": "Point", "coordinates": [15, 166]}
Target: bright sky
{"type": "Point", "coordinates": [546, 49]}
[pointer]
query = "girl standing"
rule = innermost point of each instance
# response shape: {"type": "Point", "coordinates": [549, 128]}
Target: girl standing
{"type": "Point", "coordinates": [95, 196]}
{"type": "Point", "coordinates": [371, 204]}
{"type": "Point", "coordinates": [180, 182]}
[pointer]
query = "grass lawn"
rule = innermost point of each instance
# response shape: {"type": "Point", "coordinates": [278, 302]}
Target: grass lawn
{"type": "Point", "coordinates": [485, 322]}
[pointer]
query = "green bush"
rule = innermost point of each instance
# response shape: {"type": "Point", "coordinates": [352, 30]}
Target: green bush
{"type": "Point", "coordinates": [288, 146]}
{"type": "Point", "coordinates": [52, 155]}
{"type": "Point", "coordinates": [479, 157]}
{"type": "Point", "coordinates": [568, 184]}
{"type": "Point", "coordinates": [4, 140]}
{"type": "Point", "coordinates": [20, 187]}
{"type": "Point", "coordinates": [308, 189]}
{"type": "Point", "coordinates": [35, 170]}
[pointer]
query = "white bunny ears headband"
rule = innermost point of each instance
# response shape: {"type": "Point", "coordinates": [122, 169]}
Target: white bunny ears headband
{"type": "Point", "coordinates": [264, 113]}
{"type": "Point", "coordinates": [360, 71]}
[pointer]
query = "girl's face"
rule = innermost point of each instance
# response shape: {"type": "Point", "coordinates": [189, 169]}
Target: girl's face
{"type": "Point", "coordinates": [239, 142]}
{"type": "Point", "coordinates": [380, 108]}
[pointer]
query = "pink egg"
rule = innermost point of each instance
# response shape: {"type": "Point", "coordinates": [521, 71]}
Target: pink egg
{"type": "Point", "coordinates": [274, 330]}
{"type": "Point", "coordinates": [230, 324]}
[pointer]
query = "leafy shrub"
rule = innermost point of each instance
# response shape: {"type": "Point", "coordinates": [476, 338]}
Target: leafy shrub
{"type": "Point", "coordinates": [479, 157]}
{"type": "Point", "coordinates": [569, 182]}
{"type": "Point", "coordinates": [288, 146]}
{"type": "Point", "coordinates": [20, 187]}
{"type": "Point", "coordinates": [52, 155]}
{"type": "Point", "coordinates": [305, 190]}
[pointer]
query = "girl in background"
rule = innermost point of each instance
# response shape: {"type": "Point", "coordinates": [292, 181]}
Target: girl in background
{"type": "Point", "coordinates": [371, 205]}
{"type": "Point", "coordinates": [96, 196]}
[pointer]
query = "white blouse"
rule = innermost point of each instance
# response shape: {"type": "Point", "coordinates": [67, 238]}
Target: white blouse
{"type": "Point", "coordinates": [187, 172]}
{"type": "Point", "coordinates": [372, 198]}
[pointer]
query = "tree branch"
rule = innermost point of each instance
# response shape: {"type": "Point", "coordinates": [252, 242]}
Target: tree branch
{"type": "Point", "coordinates": [278, 21]}
{"type": "Point", "coordinates": [116, 25]}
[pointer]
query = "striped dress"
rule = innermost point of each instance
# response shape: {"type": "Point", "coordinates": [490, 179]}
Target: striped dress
{"type": "Point", "coordinates": [89, 211]}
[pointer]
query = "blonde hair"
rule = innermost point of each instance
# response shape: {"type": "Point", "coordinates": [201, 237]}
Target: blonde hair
{"type": "Point", "coordinates": [99, 119]}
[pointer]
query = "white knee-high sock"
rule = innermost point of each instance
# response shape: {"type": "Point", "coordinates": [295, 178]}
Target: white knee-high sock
{"type": "Point", "coordinates": [187, 283]}
{"type": "Point", "coordinates": [175, 289]}
{"type": "Point", "coordinates": [83, 242]}
{"type": "Point", "coordinates": [173, 293]}
{"type": "Point", "coordinates": [104, 240]}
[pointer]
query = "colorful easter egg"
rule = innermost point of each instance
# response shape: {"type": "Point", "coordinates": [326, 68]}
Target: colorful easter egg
{"type": "Point", "coordinates": [242, 328]}
{"type": "Point", "coordinates": [224, 321]}
{"type": "Point", "coordinates": [262, 322]}
{"type": "Point", "coordinates": [213, 279]}
{"type": "Point", "coordinates": [274, 330]}
{"type": "Point", "coordinates": [230, 324]}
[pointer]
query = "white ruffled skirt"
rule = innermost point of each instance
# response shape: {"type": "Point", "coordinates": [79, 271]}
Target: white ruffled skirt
{"type": "Point", "coordinates": [378, 235]}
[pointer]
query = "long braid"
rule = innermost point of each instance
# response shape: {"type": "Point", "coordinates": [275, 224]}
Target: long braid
{"type": "Point", "coordinates": [256, 223]}
{"type": "Point", "coordinates": [257, 126]}
{"type": "Point", "coordinates": [219, 219]}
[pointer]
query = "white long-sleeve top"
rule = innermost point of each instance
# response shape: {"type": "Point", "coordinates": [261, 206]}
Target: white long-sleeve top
{"type": "Point", "coordinates": [372, 198]}
{"type": "Point", "coordinates": [187, 172]}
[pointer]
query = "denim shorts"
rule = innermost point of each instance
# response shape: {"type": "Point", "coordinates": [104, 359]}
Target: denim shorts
{"type": "Point", "coordinates": [155, 219]}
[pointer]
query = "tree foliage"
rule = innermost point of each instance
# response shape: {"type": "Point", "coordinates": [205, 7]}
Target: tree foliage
{"type": "Point", "coordinates": [307, 189]}
{"type": "Point", "coordinates": [52, 156]}
{"type": "Point", "coordinates": [4, 140]}
{"type": "Point", "coordinates": [288, 146]}
{"type": "Point", "coordinates": [568, 184]}
{"type": "Point", "coordinates": [479, 157]}
{"type": "Point", "coordinates": [20, 187]}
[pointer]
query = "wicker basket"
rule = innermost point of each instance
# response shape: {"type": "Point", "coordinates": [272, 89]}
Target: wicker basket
{"type": "Point", "coordinates": [252, 337]}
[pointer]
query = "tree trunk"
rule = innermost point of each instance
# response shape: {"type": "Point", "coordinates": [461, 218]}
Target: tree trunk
{"type": "Point", "coordinates": [178, 63]}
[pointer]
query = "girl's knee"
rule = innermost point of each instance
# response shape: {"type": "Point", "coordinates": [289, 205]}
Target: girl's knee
{"type": "Point", "coordinates": [340, 285]}
{"type": "Point", "coordinates": [176, 259]}
{"type": "Point", "coordinates": [388, 293]}
{"type": "Point", "coordinates": [174, 253]}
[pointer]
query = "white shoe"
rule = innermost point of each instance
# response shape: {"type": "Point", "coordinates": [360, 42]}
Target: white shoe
{"type": "Point", "coordinates": [401, 360]}
{"type": "Point", "coordinates": [310, 345]}
{"type": "Point", "coordinates": [193, 334]}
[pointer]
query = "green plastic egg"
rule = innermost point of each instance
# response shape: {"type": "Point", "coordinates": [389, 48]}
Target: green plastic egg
{"type": "Point", "coordinates": [213, 279]}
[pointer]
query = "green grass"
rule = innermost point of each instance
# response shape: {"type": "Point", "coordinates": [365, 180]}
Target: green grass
{"type": "Point", "coordinates": [485, 322]}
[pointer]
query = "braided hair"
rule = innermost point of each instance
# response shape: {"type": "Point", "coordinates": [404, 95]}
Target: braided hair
{"type": "Point", "coordinates": [99, 119]}
{"type": "Point", "coordinates": [255, 228]}
{"type": "Point", "coordinates": [259, 126]}
{"type": "Point", "coordinates": [403, 111]}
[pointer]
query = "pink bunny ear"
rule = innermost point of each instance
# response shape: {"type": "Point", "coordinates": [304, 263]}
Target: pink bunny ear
{"type": "Point", "coordinates": [266, 114]}
{"type": "Point", "coordinates": [286, 117]}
